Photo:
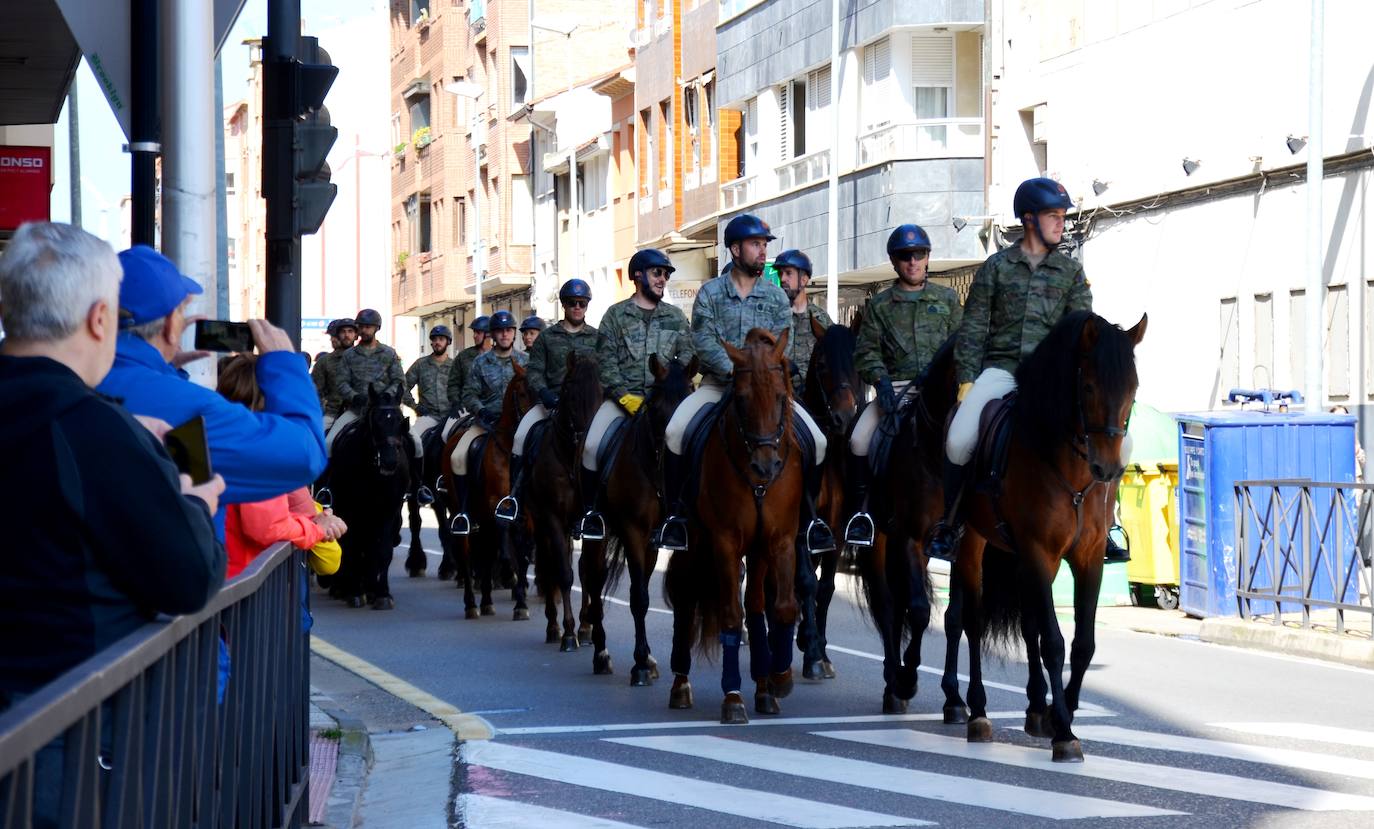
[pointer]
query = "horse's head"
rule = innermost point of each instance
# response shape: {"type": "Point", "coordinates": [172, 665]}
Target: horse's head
{"type": "Point", "coordinates": [518, 398]}
{"type": "Point", "coordinates": [672, 384]}
{"type": "Point", "coordinates": [763, 397]}
{"type": "Point", "coordinates": [386, 427]}
{"type": "Point", "coordinates": [580, 395]}
{"type": "Point", "coordinates": [1079, 385]}
{"type": "Point", "coordinates": [832, 381]}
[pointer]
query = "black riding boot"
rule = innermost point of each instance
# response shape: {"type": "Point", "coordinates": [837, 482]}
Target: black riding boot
{"type": "Point", "coordinates": [944, 539]}
{"type": "Point", "coordinates": [860, 530]}
{"type": "Point", "coordinates": [819, 538]}
{"type": "Point", "coordinates": [672, 533]}
{"type": "Point", "coordinates": [1117, 554]}
{"type": "Point", "coordinates": [508, 508]}
{"type": "Point", "coordinates": [592, 526]}
{"type": "Point", "coordinates": [460, 524]}
{"type": "Point", "coordinates": [424, 496]}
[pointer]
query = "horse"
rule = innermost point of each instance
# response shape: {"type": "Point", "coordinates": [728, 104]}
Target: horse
{"type": "Point", "coordinates": [632, 508]}
{"type": "Point", "coordinates": [477, 555]}
{"type": "Point", "coordinates": [746, 512]}
{"type": "Point", "coordinates": [907, 499]}
{"type": "Point", "coordinates": [370, 473]}
{"type": "Point", "coordinates": [1053, 504]}
{"type": "Point", "coordinates": [555, 494]}
{"type": "Point", "coordinates": [832, 392]}
{"type": "Point", "coordinates": [431, 472]}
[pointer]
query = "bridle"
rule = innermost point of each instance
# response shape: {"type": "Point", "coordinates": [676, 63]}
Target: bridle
{"type": "Point", "coordinates": [1084, 430]}
{"type": "Point", "coordinates": [753, 442]}
{"type": "Point", "coordinates": [384, 412]}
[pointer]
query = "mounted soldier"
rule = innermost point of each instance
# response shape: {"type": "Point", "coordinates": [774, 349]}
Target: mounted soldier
{"type": "Point", "coordinates": [725, 310]}
{"type": "Point", "coordinates": [342, 333]}
{"type": "Point", "coordinates": [462, 364]}
{"type": "Point", "coordinates": [903, 326]}
{"type": "Point", "coordinates": [429, 375]}
{"type": "Point", "coordinates": [794, 274]}
{"type": "Point", "coordinates": [529, 331]}
{"type": "Point", "coordinates": [548, 358]}
{"type": "Point", "coordinates": [368, 366]}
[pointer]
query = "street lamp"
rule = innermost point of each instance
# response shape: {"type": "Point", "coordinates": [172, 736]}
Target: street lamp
{"type": "Point", "coordinates": [473, 92]}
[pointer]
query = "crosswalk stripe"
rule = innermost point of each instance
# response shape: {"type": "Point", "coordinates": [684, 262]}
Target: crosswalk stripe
{"type": "Point", "coordinates": [851, 772]}
{"type": "Point", "coordinates": [671, 788]}
{"type": "Point", "coordinates": [1287, 757]}
{"type": "Point", "coordinates": [1191, 781]}
{"type": "Point", "coordinates": [500, 813]}
{"type": "Point", "coordinates": [1303, 731]}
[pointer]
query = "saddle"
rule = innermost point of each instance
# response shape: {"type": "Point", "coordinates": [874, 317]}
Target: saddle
{"type": "Point", "coordinates": [610, 444]}
{"type": "Point", "coordinates": [880, 445]}
{"type": "Point", "coordinates": [430, 438]}
{"type": "Point", "coordinates": [994, 437]}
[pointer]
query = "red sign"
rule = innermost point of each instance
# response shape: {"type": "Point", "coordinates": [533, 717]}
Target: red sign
{"type": "Point", "coordinates": [25, 182]}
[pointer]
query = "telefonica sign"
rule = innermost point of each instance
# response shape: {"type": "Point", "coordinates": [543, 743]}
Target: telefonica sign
{"type": "Point", "coordinates": [25, 184]}
{"type": "Point", "coordinates": [30, 163]}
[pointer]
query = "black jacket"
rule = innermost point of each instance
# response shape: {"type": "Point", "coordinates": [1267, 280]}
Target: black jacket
{"type": "Point", "coordinates": [95, 535]}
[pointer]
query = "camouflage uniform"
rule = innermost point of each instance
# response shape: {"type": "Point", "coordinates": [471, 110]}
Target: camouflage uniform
{"type": "Point", "coordinates": [721, 313]}
{"type": "Point", "coordinates": [630, 335]}
{"type": "Point", "coordinates": [803, 342]}
{"type": "Point", "coordinates": [458, 375]}
{"type": "Point", "coordinates": [326, 377]}
{"type": "Point", "coordinates": [378, 368]}
{"type": "Point", "coordinates": [486, 383]}
{"type": "Point", "coordinates": [548, 357]}
{"type": "Point", "coordinates": [431, 375]}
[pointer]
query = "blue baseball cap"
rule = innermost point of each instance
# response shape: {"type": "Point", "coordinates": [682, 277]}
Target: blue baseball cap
{"type": "Point", "coordinates": [152, 287]}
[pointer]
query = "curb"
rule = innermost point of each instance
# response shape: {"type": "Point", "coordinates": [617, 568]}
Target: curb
{"type": "Point", "coordinates": [1312, 644]}
{"type": "Point", "coordinates": [353, 765]}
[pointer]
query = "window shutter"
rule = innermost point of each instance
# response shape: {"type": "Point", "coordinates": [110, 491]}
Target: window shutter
{"type": "Point", "coordinates": [932, 60]}
{"type": "Point", "coordinates": [818, 89]}
{"type": "Point", "coordinates": [877, 61]}
{"type": "Point", "coordinates": [785, 122]}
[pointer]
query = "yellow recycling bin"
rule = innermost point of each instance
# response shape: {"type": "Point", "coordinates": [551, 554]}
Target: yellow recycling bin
{"type": "Point", "coordinates": [1149, 514]}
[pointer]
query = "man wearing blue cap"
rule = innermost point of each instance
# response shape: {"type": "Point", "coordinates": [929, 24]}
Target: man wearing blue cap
{"type": "Point", "coordinates": [260, 454]}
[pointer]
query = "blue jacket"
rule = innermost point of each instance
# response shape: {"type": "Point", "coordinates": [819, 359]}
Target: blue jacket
{"type": "Point", "coordinates": [260, 454]}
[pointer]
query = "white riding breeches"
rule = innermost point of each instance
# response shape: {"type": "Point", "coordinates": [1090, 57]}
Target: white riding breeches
{"type": "Point", "coordinates": [449, 426]}
{"type": "Point", "coordinates": [606, 416]}
{"type": "Point", "coordinates": [422, 424]}
{"type": "Point", "coordinates": [459, 458]}
{"type": "Point", "coordinates": [709, 394]}
{"type": "Point", "coordinates": [963, 431]}
{"type": "Point", "coordinates": [337, 428]}
{"type": "Point", "coordinates": [533, 416]}
{"type": "Point", "coordinates": [862, 436]}
{"type": "Point", "coordinates": [328, 423]}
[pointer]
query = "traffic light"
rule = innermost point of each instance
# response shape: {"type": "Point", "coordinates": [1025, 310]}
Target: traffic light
{"type": "Point", "coordinates": [298, 139]}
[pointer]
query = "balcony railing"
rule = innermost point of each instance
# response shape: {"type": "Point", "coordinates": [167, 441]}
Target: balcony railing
{"type": "Point", "coordinates": [739, 192]}
{"type": "Point", "coordinates": [804, 170]}
{"type": "Point", "coordinates": [942, 138]}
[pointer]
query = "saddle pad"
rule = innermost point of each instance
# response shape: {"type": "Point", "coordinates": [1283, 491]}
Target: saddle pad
{"type": "Point", "coordinates": [610, 443]}
{"type": "Point", "coordinates": [994, 436]}
{"type": "Point", "coordinates": [476, 453]}
{"type": "Point", "coordinates": [880, 445]}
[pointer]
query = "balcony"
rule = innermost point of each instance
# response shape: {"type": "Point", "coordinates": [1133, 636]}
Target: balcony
{"type": "Point", "coordinates": [937, 138]}
{"type": "Point", "coordinates": [804, 170]}
{"type": "Point", "coordinates": [737, 193]}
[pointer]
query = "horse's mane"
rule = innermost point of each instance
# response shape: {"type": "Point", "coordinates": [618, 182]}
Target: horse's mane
{"type": "Point", "coordinates": [663, 397]}
{"type": "Point", "coordinates": [837, 346]}
{"type": "Point", "coordinates": [580, 395]}
{"type": "Point", "coordinates": [1046, 409]}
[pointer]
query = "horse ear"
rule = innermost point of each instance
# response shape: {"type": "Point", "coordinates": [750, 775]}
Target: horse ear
{"type": "Point", "coordinates": [519, 368]}
{"type": "Point", "coordinates": [656, 367]}
{"type": "Point", "coordinates": [857, 323]}
{"type": "Point", "coordinates": [1088, 338]}
{"type": "Point", "coordinates": [780, 350]}
{"type": "Point", "coordinates": [817, 330]}
{"type": "Point", "coordinates": [736, 356]}
{"type": "Point", "coordinates": [692, 367]}
{"type": "Point", "coordinates": [1137, 332]}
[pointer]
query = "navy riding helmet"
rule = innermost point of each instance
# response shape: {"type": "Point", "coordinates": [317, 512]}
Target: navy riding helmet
{"type": "Point", "coordinates": [367, 316]}
{"type": "Point", "coordinates": [575, 289]}
{"type": "Point", "coordinates": [648, 258]}
{"type": "Point", "coordinates": [482, 324]}
{"type": "Point", "coordinates": [793, 259]}
{"type": "Point", "coordinates": [441, 331]}
{"type": "Point", "coordinates": [502, 319]}
{"type": "Point", "coordinates": [908, 237]}
{"type": "Point", "coordinates": [747, 226]}
{"type": "Point", "coordinates": [532, 324]}
{"type": "Point", "coordinates": [1036, 195]}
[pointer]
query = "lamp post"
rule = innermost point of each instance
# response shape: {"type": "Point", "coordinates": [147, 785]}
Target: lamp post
{"type": "Point", "coordinates": [474, 92]}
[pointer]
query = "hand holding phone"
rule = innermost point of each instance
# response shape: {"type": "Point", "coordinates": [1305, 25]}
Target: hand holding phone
{"type": "Point", "coordinates": [221, 335]}
{"type": "Point", "coordinates": [190, 450]}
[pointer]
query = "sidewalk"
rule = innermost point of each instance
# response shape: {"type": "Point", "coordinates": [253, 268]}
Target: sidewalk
{"type": "Point", "coordinates": [340, 756]}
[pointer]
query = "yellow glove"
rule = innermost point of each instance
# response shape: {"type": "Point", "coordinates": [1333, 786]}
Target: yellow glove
{"type": "Point", "coordinates": [963, 390]}
{"type": "Point", "coordinates": [631, 402]}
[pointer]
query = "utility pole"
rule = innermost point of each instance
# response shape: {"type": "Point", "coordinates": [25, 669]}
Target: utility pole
{"type": "Point", "coordinates": [74, 151]}
{"type": "Point", "coordinates": [144, 116]}
{"type": "Point", "coordinates": [1316, 283]}
{"type": "Point", "coordinates": [280, 48]}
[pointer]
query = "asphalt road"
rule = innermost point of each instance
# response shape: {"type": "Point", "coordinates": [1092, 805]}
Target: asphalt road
{"type": "Point", "coordinates": [1176, 732]}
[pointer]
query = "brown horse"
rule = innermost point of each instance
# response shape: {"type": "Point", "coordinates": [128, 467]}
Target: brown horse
{"type": "Point", "coordinates": [746, 513]}
{"type": "Point", "coordinates": [476, 555]}
{"type": "Point", "coordinates": [1054, 504]}
{"type": "Point", "coordinates": [555, 493]}
{"type": "Point", "coordinates": [632, 508]}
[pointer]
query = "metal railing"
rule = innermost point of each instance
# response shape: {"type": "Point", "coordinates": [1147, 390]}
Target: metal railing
{"type": "Point", "coordinates": [933, 138]}
{"type": "Point", "coordinates": [1302, 548]}
{"type": "Point", "coordinates": [798, 172]}
{"type": "Point", "coordinates": [138, 735]}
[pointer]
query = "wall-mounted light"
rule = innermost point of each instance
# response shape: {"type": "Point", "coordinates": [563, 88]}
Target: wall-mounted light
{"type": "Point", "coordinates": [1296, 143]}
{"type": "Point", "coordinates": [959, 223]}
{"type": "Point", "coordinates": [1190, 166]}
{"type": "Point", "coordinates": [1099, 187]}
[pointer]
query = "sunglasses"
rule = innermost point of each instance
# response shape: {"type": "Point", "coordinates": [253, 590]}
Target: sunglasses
{"type": "Point", "coordinates": [912, 255]}
{"type": "Point", "coordinates": [575, 303]}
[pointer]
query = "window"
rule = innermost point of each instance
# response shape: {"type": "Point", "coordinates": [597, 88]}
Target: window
{"type": "Point", "coordinates": [397, 137]}
{"type": "Point", "coordinates": [418, 9]}
{"type": "Point", "coordinates": [690, 108]}
{"type": "Point", "coordinates": [521, 211]}
{"type": "Point", "coordinates": [460, 221]}
{"type": "Point", "coordinates": [1263, 374]}
{"type": "Point", "coordinates": [1297, 336]}
{"type": "Point", "coordinates": [665, 148]}
{"type": "Point", "coordinates": [560, 192]}
{"type": "Point", "coordinates": [591, 184]}
{"type": "Point", "coordinates": [419, 114]}
{"type": "Point", "coordinates": [423, 237]}
{"type": "Point", "coordinates": [877, 68]}
{"type": "Point", "coordinates": [412, 208]}
{"type": "Point", "coordinates": [229, 189]}
{"type": "Point", "coordinates": [750, 161]}
{"type": "Point", "coordinates": [932, 75]}
{"type": "Point", "coordinates": [792, 127]}
{"type": "Point", "coordinates": [649, 151]}
{"type": "Point", "coordinates": [818, 107]}
{"type": "Point", "coordinates": [519, 74]}
{"type": "Point", "coordinates": [1229, 336]}
{"type": "Point", "coordinates": [709, 132]}
{"type": "Point", "coordinates": [1337, 312]}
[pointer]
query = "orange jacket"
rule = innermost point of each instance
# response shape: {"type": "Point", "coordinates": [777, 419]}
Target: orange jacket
{"type": "Point", "coordinates": [251, 528]}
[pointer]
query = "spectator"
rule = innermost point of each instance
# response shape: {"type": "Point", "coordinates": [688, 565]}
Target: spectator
{"type": "Point", "coordinates": [251, 528]}
{"type": "Point", "coordinates": [100, 532]}
{"type": "Point", "coordinates": [261, 454]}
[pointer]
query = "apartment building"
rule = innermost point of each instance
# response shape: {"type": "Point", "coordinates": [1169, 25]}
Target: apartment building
{"type": "Point", "coordinates": [245, 210]}
{"type": "Point", "coordinates": [462, 205]}
{"type": "Point", "coordinates": [906, 131]}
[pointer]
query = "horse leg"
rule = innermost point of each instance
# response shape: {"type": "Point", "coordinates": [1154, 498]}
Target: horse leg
{"type": "Point", "coordinates": [808, 632]}
{"type": "Point", "coordinates": [381, 564]}
{"type": "Point", "coordinates": [917, 620]}
{"type": "Point", "coordinates": [781, 614]}
{"type": "Point", "coordinates": [1064, 746]}
{"type": "Point", "coordinates": [571, 637]}
{"type": "Point", "coordinates": [467, 574]}
{"type": "Point", "coordinates": [415, 560]}
{"type": "Point", "coordinates": [880, 605]}
{"type": "Point", "coordinates": [682, 597]}
{"type": "Point", "coordinates": [1037, 712]}
{"type": "Point", "coordinates": [447, 568]}
{"type": "Point", "coordinates": [1086, 587]}
{"type": "Point", "coordinates": [641, 558]}
{"type": "Point", "coordinates": [955, 711]}
{"type": "Point", "coordinates": [825, 592]}
{"type": "Point", "coordinates": [592, 571]}
{"type": "Point", "coordinates": [979, 726]}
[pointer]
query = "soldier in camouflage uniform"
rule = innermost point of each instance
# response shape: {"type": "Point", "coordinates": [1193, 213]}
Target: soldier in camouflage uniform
{"type": "Point", "coordinates": [342, 333]}
{"type": "Point", "coordinates": [369, 365]}
{"type": "Point", "coordinates": [548, 358]}
{"type": "Point", "coordinates": [483, 393]}
{"type": "Point", "coordinates": [903, 326]}
{"type": "Point", "coordinates": [794, 274]}
{"type": "Point", "coordinates": [726, 309]}
{"type": "Point", "coordinates": [430, 374]}
{"type": "Point", "coordinates": [529, 331]}
{"type": "Point", "coordinates": [1017, 296]}
{"type": "Point", "coordinates": [458, 374]}
{"type": "Point", "coordinates": [632, 331]}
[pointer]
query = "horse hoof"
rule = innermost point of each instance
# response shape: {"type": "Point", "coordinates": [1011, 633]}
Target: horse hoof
{"type": "Point", "coordinates": [955, 715]}
{"type": "Point", "coordinates": [521, 614]}
{"type": "Point", "coordinates": [653, 668]}
{"type": "Point", "coordinates": [764, 703]}
{"type": "Point", "coordinates": [827, 669]}
{"type": "Point", "coordinates": [471, 613]}
{"type": "Point", "coordinates": [601, 664]}
{"type": "Point", "coordinates": [680, 698]}
{"type": "Point", "coordinates": [813, 670]}
{"type": "Point", "coordinates": [584, 635]}
{"type": "Point", "coordinates": [551, 636]}
{"type": "Point", "coordinates": [641, 678]}
{"type": "Point", "coordinates": [383, 603]}
{"type": "Point", "coordinates": [980, 730]}
{"type": "Point", "coordinates": [447, 573]}
{"type": "Point", "coordinates": [1068, 751]}
{"type": "Point", "coordinates": [780, 684]}
{"type": "Point", "coordinates": [356, 601]}
{"type": "Point", "coordinates": [569, 644]}
{"type": "Point", "coordinates": [1038, 724]}
{"type": "Point", "coordinates": [732, 710]}
{"type": "Point", "coordinates": [893, 704]}
{"type": "Point", "coordinates": [415, 572]}
{"type": "Point", "coordinates": [488, 610]}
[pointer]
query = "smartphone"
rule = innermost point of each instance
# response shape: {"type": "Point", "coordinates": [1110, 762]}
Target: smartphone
{"type": "Point", "coordinates": [221, 335]}
{"type": "Point", "coordinates": [190, 450]}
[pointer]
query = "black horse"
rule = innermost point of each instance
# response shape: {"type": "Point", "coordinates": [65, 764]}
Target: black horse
{"type": "Point", "coordinates": [431, 475]}
{"type": "Point", "coordinates": [370, 472]}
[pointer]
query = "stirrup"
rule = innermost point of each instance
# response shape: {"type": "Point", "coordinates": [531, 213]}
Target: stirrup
{"type": "Point", "coordinates": [859, 532]}
{"type": "Point", "coordinates": [944, 541]}
{"type": "Point", "coordinates": [1115, 553]}
{"type": "Point", "coordinates": [324, 497]}
{"type": "Point", "coordinates": [460, 525]}
{"type": "Point", "coordinates": [672, 534]}
{"type": "Point", "coordinates": [819, 538]}
{"type": "Point", "coordinates": [592, 527]}
{"type": "Point", "coordinates": [439, 485]}
{"type": "Point", "coordinates": [424, 496]}
{"type": "Point", "coordinates": [507, 509]}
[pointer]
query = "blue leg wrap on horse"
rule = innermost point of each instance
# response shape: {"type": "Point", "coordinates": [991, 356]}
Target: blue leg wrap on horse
{"type": "Point", "coordinates": [758, 645]}
{"type": "Point", "coordinates": [729, 668]}
{"type": "Point", "coordinates": [780, 647]}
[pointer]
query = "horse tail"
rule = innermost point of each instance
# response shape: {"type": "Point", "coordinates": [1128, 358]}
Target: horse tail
{"type": "Point", "coordinates": [1001, 604]}
{"type": "Point", "coordinates": [689, 581]}
{"type": "Point", "coordinates": [614, 552]}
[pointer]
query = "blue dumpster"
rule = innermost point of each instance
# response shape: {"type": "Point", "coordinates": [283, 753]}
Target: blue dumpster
{"type": "Point", "coordinates": [1217, 449]}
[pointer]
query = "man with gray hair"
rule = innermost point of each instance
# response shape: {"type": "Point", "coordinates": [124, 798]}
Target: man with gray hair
{"type": "Point", "coordinates": [102, 532]}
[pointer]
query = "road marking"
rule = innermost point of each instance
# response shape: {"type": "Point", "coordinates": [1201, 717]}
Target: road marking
{"type": "Point", "coordinates": [1285, 757]}
{"type": "Point", "coordinates": [624, 603]}
{"type": "Point", "coordinates": [756, 723]}
{"type": "Point", "coordinates": [500, 813]}
{"type": "Point", "coordinates": [671, 788]}
{"type": "Point", "coordinates": [465, 726]}
{"type": "Point", "coordinates": [1191, 781]}
{"type": "Point", "coordinates": [850, 772]}
{"type": "Point", "coordinates": [1303, 731]}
